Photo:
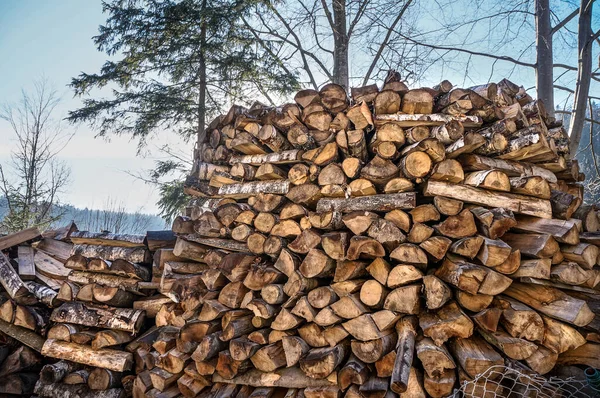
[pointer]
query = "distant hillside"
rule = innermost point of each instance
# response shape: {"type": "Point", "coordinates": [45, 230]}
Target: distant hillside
{"type": "Point", "coordinates": [117, 220]}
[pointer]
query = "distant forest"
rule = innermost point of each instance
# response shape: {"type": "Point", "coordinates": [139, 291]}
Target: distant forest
{"type": "Point", "coordinates": [116, 219]}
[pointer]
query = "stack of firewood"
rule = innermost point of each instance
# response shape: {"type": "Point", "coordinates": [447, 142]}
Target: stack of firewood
{"type": "Point", "coordinates": [74, 296]}
{"type": "Point", "coordinates": [398, 240]}
{"type": "Point", "coordinates": [96, 318]}
{"type": "Point", "coordinates": [395, 242]}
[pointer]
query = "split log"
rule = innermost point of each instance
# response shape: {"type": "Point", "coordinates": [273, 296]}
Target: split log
{"type": "Point", "coordinates": [13, 284]}
{"type": "Point", "coordinates": [472, 278]}
{"type": "Point", "coordinates": [552, 302]}
{"type": "Point", "coordinates": [449, 321]}
{"type": "Point", "coordinates": [321, 362]}
{"type": "Point", "coordinates": [474, 355]}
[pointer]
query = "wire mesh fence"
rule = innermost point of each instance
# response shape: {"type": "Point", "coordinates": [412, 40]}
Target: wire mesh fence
{"type": "Point", "coordinates": [507, 382]}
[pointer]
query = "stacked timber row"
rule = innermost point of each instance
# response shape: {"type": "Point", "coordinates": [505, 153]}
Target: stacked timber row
{"type": "Point", "coordinates": [400, 241]}
{"type": "Point", "coordinates": [96, 319]}
{"type": "Point", "coordinates": [73, 310]}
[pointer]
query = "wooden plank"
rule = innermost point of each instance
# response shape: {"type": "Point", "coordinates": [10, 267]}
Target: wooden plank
{"type": "Point", "coordinates": [517, 203]}
{"type": "Point", "coordinates": [26, 264]}
{"type": "Point", "coordinates": [107, 239]}
{"type": "Point", "coordinates": [19, 237]}
{"type": "Point", "coordinates": [50, 267]}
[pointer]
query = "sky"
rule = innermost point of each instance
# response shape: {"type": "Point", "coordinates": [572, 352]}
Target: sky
{"type": "Point", "coordinates": [53, 39]}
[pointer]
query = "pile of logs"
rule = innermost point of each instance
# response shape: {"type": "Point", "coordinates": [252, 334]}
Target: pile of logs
{"type": "Point", "coordinates": [400, 240]}
{"type": "Point", "coordinates": [394, 242]}
{"type": "Point", "coordinates": [71, 302]}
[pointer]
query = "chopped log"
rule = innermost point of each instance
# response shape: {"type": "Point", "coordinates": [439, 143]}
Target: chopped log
{"type": "Point", "coordinates": [103, 379]}
{"type": "Point", "coordinates": [287, 378]}
{"type": "Point", "coordinates": [586, 354]}
{"type": "Point", "coordinates": [493, 252]}
{"type": "Point", "coordinates": [467, 247]}
{"type": "Point", "coordinates": [471, 162]}
{"type": "Point", "coordinates": [441, 385]}
{"type": "Point", "coordinates": [560, 337]}
{"type": "Point", "coordinates": [563, 204]}
{"type": "Point", "coordinates": [531, 186]}
{"type": "Point", "coordinates": [459, 226]}
{"type": "Point", "coordinates": [569, 273]}
{"type": "Point", "coordinates": [44, 294]}
{"type": "Point", "coordinates": [109, 338]}
{"type": "Point", "coordinates": [112, 296]}
{"type": "Point", "coordinates": [488, 179]}
{"type": "Point", "coordinates": [564, 231]}
{"type": "Point", "coordinates": [107, 239]}
{"type": "Point", "coordinates": [104, 358]}
{"type": "Point", "coordinates": [435, 359]}
{"type": "Point", "coordinates": [542, 360]}
{"type": "Point", "coordinates": [448, 170]}
{"type": "Point", "coordinates": [111, 253]}
{"type": "Point", "coordinates": [125, 319]}
{"type": "Point", "coordinates": [512, 347]}
{"type": "Point", "coordinates": [404, 299]}
{"type": "Point", "coordinates": [517, 203]}
{"type": "Point", "coordinates": [436, 247]}
{"type": "Point", "coordinates": [59, 390]}
{"type": "Point", "coordinates": [584, 254]}
{"type": "Point", "coordinates": [409, 253]}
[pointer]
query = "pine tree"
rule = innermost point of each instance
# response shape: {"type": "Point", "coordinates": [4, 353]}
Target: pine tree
{"type": "Point", "coordinates": [178, 63]}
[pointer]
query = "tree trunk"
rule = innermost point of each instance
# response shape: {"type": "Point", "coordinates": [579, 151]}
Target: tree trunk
{"type": "Point", "coordinates": [584, 74]}
{"type": "Point", "coordinates": [202, 83]}
{"type": "Point", "coordinates": [340, 39]}
{"type": "Point", "coordinates": [544, 69]}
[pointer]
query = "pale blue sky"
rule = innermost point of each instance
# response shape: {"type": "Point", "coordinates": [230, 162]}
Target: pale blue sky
{"type": "Point", "coordinates": [53, 39]}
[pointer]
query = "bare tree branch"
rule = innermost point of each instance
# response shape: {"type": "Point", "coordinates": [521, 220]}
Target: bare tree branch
{"type": "Point", "coordinates": [565, 21]}
{"type": "Point", "coordinates": [384, 43]}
